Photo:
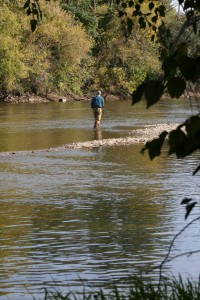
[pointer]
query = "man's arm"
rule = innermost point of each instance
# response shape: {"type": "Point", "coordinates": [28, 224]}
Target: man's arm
{"type": "Point", "coordinates": [102, 100]}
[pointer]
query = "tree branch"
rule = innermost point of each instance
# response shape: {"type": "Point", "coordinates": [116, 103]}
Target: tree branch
{"type": "Point", "coordinates": [186, 25]}
{"type": "Point", "coordinates": [167, 259]}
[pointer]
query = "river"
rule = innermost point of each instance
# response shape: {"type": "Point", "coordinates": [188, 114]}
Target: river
{"type": "Point", "coordinates": [92, 216]}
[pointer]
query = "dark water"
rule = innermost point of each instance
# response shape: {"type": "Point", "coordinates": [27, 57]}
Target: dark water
{"type": "Point", "coordinates": [97, 215]}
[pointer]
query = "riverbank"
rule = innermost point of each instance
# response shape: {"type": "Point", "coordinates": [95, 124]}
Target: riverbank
{"type": "Point", "coordinates": [33, 98]}
{"type": "Point", "coordinates": [69, 96]}
{"type": "Point", "coordinates": [49, 97]}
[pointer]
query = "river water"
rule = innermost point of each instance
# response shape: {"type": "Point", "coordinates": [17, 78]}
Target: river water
{"type": "Point", "coordinates": [89, 216]}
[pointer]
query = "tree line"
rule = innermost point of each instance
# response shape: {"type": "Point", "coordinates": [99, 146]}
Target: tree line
{"type": "Point", "coordinates": [77, 46]}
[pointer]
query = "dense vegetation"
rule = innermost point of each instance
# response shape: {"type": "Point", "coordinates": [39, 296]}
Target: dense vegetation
{"type": "Point", "coordinates": [79, 46]}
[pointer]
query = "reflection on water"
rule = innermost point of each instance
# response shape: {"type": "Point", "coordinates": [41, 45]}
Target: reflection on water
{"type": "Point", "coordinates": [97, 215]}
{"type": "Point", "coordinates": [98, 135]}
{"type": "Point", "coordinates": [47, 125]}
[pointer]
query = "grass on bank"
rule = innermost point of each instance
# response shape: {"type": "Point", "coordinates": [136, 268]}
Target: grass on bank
{"type": "Point", "coordinates": [175, 289]}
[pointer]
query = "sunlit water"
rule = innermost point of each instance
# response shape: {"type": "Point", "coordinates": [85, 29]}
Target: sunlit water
{"type": "Point", "coordinates": [92, 215]}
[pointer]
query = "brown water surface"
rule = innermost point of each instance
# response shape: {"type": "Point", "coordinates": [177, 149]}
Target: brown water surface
{"type": "Point", "coordinates": [97, 215]}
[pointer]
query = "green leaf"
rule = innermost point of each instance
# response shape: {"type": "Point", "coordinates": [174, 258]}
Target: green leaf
{"type": "Point", "coordinates": [187, 4]}
{"type": "Point", "coordinates": [138, 93]}
{"type": "Point", "coordinates": [186, 201]}
{"type": "Point", "coordinates": [35, 12]}
{"type": "Point", "coordinates": [153, 91]}
{"type": "Point", "coordinates": [181, 51]}
{"type": "Point", "coordinates": [27, 4]}
{"type": "Point", "coordinates": [151, 5]}
{"type": "Point", "coordinates": [177, 143]}
{"type": "Point", "coordinates": [189, 14]}
{"type": "Point", "coordinates": [130, 3]}
{"type": "Point", "coordinates": [161, 10]}
{"type": "Point", "coordinates": [154, 146]}
{"type": "Point", "coordinates": [188, 67]}
{"type": "Point", "coordinates": [176, 87]}
{"type": "Point", "coordinates": [129, 25]}
{"type": "Point", "coordinates": [137, 7]}
{"type": "Point", "coordinates": [169, 66]}
{"type": "Point", "coordinates": [183, 143]}
{"type": "Point", "coordinates": [192, 126]}
{"type": "Point", "coordinates": [142, 23]}
{"type": "Point", "coordinates": [189, 208]}
{"type": "Point", "coordinates": [154, 19]}
{"type": "Point", "coordinates": [34, 24]}
{"type": "Point", "coordinates": [136, 13]}
{"type": "Point", "coordinates": [120, 13]}
{"type": "Point", "coordinates": [28, 11]}
{"type": "Point", "coordinates": [124, 5]}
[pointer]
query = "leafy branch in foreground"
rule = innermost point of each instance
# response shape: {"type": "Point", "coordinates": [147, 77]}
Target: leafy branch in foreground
{"type": "Point", "coordinates": [180, 60]}
{"type": "Point", "coordinates": [32, 8]}
{"type": "Point", "coordinates": [182, 141]}
{"type": "Point", "coordinates": [167, 259]}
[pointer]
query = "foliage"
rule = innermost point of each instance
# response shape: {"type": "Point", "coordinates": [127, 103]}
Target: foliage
{"type": "Point", "coordinates": [178, 66]}
{"type": "Point", "coordinates": [114, 61]}
{"type": "Point", "coordinates": [180, 70]}
{"type": "Point", "coordinates": [32, 8]}
{"type": "Point", "coordinates": [84, 12]}
{"type": "Point", "coordinates": [147, 13]}
{"type": "Point", "coordinates": [120, 63]}
{"type": "Point", "coordinates": [12, 63]}
{"type": "Point", "coordinates": [67, 45]}
{"type": "Point", "coordinates": [179, 56]}
{"type": "Point", "coordinates": [51, 58]}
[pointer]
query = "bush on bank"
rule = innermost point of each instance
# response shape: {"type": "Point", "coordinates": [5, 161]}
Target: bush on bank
{"type": "Point", "coordinates": [50, 59]}
{"type": "Point", "coordinates": [72, 50]}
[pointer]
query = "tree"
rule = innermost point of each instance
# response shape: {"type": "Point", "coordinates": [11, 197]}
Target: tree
{"type": "Point", "coordinates": [118, 61]}
{"type": "Point", "coordinates": [67, 46]}
{"type": "Point", "coordinates": [115, 60]}
{"type": "Point", "coordinates": [180, 74]}
{"type": "Point", "coordinates": [51, 58]}
{"type": "Point", "coordinates": [84, 11]}
{"type": "Point", "coordinates": [13, 68]}
{"type": "Point", "coordinates": [180, 66]}
{"type": "Point", "coordinates": [180, 59]}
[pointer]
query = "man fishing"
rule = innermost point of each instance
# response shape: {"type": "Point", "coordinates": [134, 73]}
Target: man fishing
{"type": "Point", "coordinates": [97, 105]}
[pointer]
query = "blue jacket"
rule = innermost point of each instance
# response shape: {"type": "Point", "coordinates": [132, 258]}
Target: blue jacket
{"type": "Point", "coordinates": [97, 101]}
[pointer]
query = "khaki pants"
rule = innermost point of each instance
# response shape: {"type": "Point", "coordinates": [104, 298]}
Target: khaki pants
{"type": "Point", "coordinates": [97, 116]}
